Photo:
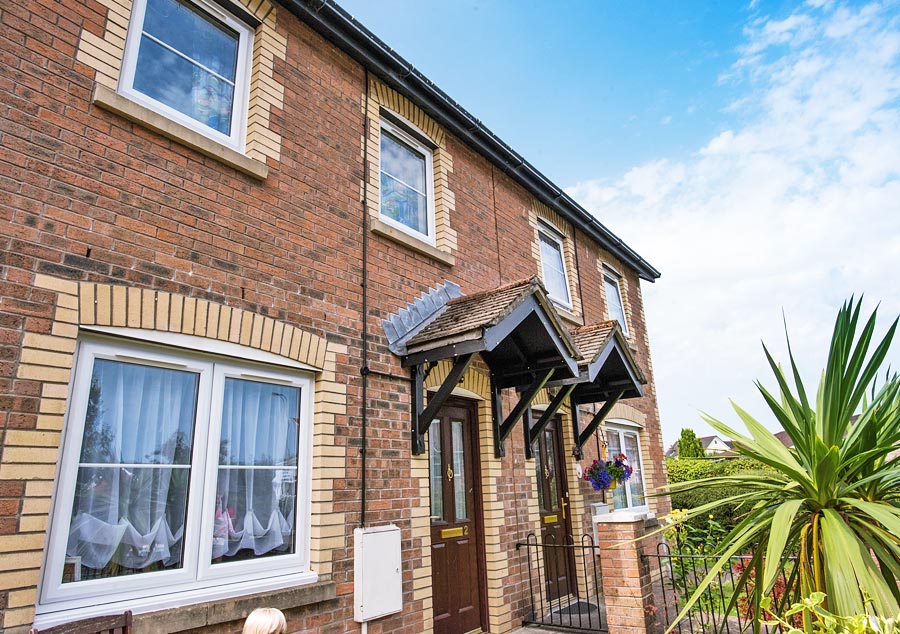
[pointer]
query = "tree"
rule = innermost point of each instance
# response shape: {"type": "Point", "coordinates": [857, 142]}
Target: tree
{"type": "Point", "coordinates": [832, 501]}
{"type": "Point", "coordinates": [689, 446]}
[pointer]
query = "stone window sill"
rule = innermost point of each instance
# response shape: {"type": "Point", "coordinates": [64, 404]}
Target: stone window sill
{"type": "Point", "coordinates": [568, 316]}
{"type": "Point", "coordinates": [386, 231]}
{"type": "Point", "coordinates": [112, 101]}
{"type": "Point", "coordinates": [201, 615]}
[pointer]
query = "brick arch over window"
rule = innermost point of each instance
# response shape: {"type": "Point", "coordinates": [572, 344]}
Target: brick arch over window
{"type": "Point", "coordinates": [30, 454]}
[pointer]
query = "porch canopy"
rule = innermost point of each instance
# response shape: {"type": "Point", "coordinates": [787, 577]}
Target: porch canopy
{"type": "Point", "coordinates": [518, 335]}
{"type": "Point", "coordinates": [607, 373]}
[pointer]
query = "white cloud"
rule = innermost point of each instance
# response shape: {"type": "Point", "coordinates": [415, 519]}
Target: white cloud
{"type": "Point", "coordinates": [795, 209]}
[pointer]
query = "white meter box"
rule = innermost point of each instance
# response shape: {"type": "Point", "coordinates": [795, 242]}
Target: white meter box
{"type": "Point", "coordinates": [377, 573]}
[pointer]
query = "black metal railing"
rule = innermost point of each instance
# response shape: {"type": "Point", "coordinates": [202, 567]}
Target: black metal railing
{"type": "Point", "coordinates": [563, 584]}
{"type": "Point", "coordinates": [720, 607]}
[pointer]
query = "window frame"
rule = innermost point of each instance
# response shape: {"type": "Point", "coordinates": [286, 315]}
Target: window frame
{"type": "Point", "coordinates": [615, 279]}
{"type": "Point", "coordinates": [622, 427]}
{"type": "Point", "coordinates": [408, 137]}
{"type": "Point", "coordinates": [198, 579]}
{"type": "Point", "coordinates": [555, 236]}
{"type": "Point", "coordinates": [240, 106]}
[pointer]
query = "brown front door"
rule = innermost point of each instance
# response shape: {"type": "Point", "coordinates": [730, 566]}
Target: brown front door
{"type": "Point", "coordinates": [455, 522]}
{"type": "Point", "coordinates": [556, 523]}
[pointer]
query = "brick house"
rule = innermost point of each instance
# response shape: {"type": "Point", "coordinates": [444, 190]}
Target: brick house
{"type": "Point", "coordinates": [263, 284]}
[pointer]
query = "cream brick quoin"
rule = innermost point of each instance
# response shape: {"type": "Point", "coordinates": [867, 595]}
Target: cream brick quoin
{"type": "Point", "coordinates": [380, 96]}
{"type": "Point", "coordinates": [32, 454]}
{"type": "Point", "coordinates": [105, 55]}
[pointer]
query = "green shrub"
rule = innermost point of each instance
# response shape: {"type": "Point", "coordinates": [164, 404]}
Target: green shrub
{"type": "Point", "coordinates": [685, 470]}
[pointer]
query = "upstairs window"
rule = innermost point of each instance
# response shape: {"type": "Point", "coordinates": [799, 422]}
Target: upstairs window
{"type": "Point", "coordinates": [614, 305]}
{"type": "Point", "coordinates": [407, 191]}
{"type": "Point", "coordinates": [553, 266]}
{"type": "Point", "coordinates": [189, 61]}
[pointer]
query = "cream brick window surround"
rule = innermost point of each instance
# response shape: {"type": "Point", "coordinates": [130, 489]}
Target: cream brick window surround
{"type": "Point", "coordinates": [544, 220]}
{"type": "Point", "coordinates": [49, 356]}
{"type": "Point", "coordinates": [256, 94]}
{"type": "Point", "coordinates": [387, 109]}
{"type": "Point", "coordinates": [195, 575]}
{"type": "Point", "coordinates": [615, 282]}
{"type": "Point", "coordinates": [553, 264]}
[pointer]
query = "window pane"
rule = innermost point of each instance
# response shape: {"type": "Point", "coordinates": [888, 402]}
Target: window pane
{"type": "Point", "coordinates": [554, 271]}
{"type": "Point", "coordinates": [195, 34]}
{"type": "Point", "coordinates": [459, 471]}
{"type": "Point", "coordinates": [436, 474]}
{"type": "Point", "coordinates": [636, 483]}
{"type": "Point", "coordinates": [402, 162]}
{"type": "Point", "coordinates": [405, 205]}
{"type": "Point", "coordinates": [179, 84]}
{"type": "Point", "coordinates": [614, 302]}
{"type": "Point", "coordinates": [131, 490]}
{"type": "Point", "coordinates": [256, 492]}
{"type": "Point", "coordinates": [403, 184]}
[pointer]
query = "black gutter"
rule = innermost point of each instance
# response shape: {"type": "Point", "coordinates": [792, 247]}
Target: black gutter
{"type": "Point", "coordinates": [339, 27]}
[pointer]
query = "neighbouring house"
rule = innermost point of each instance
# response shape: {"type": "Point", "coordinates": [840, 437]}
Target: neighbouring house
{"type": "Point", "coordinates": [282, 324]}
{"type": "Point", "coordinates": [712, 446]}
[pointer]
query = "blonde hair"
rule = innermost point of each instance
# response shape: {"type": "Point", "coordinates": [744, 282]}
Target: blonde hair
{"type": "Point", "coordinates": [265, 621]}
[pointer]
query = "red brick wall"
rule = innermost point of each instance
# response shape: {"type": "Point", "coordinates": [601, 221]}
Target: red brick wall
{"type": "Point", "coordinates": [87, 195]}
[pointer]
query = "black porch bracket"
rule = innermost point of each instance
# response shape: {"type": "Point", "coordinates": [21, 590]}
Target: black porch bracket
{"type": "Point", "coordinates": [502, 430]}
{"type": "Point", "coordinates": [582, 436]}
{"type": "Point", "coordinates": [422, 415]}
{"type": "Point", "coordinates": [549, 413]}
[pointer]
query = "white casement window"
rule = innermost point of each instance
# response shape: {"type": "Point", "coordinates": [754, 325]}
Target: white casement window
{"type": "Point", "coordinates": [614, 305]}
{"type": "Point", "coordinates": [189, 60]}
{"type": "Point", "coordinates": [407, 182]}
{"type": "Point", "coordinates": [625, 439]}
{"type": "Point", "coordinates": [182, 475]}
{"type": "Point", "coordinates": [553, 266]}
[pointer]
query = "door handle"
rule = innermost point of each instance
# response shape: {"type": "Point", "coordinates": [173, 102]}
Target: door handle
{"type": "Point", "coordinates": [563, 504]}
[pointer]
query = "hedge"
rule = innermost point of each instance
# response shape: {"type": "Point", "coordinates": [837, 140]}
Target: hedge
{"type": "Point", "coordinates": [687, 469]}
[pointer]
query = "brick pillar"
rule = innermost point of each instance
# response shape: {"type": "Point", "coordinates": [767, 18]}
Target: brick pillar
{"type": "Point", "coordinates": [627, 585]}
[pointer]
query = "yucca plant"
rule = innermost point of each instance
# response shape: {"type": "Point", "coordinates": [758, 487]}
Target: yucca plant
{"type": "Point", "coordinates": [834, 502]}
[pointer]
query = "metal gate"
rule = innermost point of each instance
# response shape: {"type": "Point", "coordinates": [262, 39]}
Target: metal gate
{"type": "Point", "coordinates": [581, 608]}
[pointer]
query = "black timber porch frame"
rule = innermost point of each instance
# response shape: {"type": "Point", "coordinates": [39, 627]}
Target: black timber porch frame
{"type": "Point", "coordinates": [583, 435]}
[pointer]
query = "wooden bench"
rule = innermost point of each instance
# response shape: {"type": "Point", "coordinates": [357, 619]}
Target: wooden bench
{"type": "Point", "coordinates": [115, 624]}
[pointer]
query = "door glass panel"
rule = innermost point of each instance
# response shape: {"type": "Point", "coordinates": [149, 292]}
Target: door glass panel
{"type": "Point", "coordinates": [437, 476]}
{"type": "Point", "coordinates": [539, 474]}
{"type": "Point", "coordinates": [459, 471]}
{"type": "Point", "coordinates": [636, 483]}
{"type": "Point", "coordinates": [550, 474]}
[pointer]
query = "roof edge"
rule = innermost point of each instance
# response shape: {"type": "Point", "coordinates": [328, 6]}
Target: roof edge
{"type": "Point", "coordinates": [339, 27]}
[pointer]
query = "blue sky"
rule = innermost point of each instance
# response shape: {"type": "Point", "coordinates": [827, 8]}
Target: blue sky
{"type": "Point", "coordinates": [580, 87]}
{"type": "Point", "coordinates": [750, 151]}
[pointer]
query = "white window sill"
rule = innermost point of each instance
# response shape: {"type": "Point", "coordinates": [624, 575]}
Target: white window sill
{"type": "Point", "coordinates": [112, 101]}
{"type": "Point", "coordinates": [385, 230]}
{"type": "Point", "coordinates": [623, 516]}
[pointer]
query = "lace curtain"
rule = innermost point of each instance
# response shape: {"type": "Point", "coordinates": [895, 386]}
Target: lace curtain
{"type": "Point", "coordinates": [134, 470]}
{"type": "Point", "coordinates": [257, 479]}
{"type": "Point", "coordinates": [131, 494]}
